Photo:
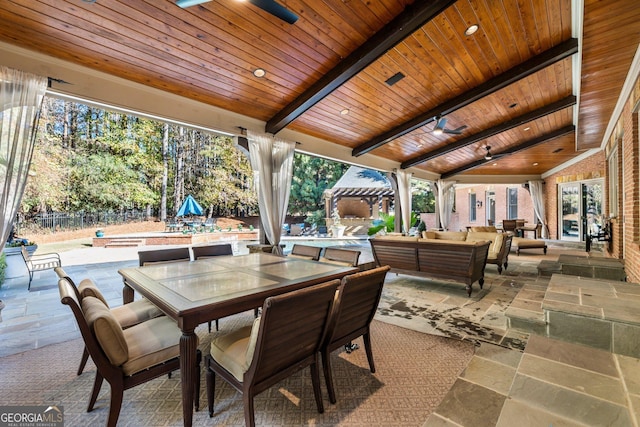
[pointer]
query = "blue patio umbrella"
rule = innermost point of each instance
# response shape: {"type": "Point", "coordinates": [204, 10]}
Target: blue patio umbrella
{"type": "Point", "coordinates": [190, 207]}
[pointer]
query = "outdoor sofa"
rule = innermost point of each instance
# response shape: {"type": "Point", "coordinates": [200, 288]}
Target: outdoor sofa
{"type": "Point", "coordinates": [459, 261]}
{"type": "Point", "coordinates": [499, 243]}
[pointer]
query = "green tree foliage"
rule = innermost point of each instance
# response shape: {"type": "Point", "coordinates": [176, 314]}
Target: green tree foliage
{"type": "Point", "coordinates": [423, 199]}
{"type": "Point", "coordinates": [91, 159]}
{"type": "Point", "coordinates": [311, 176]}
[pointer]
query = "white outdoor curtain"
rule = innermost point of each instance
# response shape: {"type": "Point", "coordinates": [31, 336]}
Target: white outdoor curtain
{"type": "Point", "coordinates": [536, 189]}
{"type": "Point", "coordinates": [444, 201]}
{"type": "Point", "coordinates": [21, 96]}
{"type": "Point", "coordinates": [404, 193]}
{"type": "Point", "coordinates": [272, 163]}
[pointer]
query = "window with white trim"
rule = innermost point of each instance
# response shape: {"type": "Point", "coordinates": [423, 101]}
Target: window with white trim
{"type": "Point", "coordinates": [472, 207]}
{"type": "Point", "coordinates": [512, 203]}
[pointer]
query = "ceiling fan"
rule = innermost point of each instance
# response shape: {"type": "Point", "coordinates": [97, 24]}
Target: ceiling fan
{"type": "Point", "coordinates": [441, 127]}
{"type": "Point", "coordinates": [489, 156]}
{"type": "Point", "coordinates": [269, 6]}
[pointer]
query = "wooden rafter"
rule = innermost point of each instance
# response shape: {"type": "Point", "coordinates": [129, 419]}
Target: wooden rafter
{"type": "Point", "coordinates": [531, 66]}
{"type": "Point", "coordinates": [502, 127]}
{"type": "Point", "coordinates": [403, 25]}
{"type": "Point", "coordinates": [526, 145]}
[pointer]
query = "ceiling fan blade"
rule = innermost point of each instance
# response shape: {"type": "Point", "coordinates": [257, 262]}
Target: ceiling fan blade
{"type": "Point", "coordinates": [456, 131]}
{"type": "Point", "coordinates": [269, 6]}
{"type": "Point", "coordinates": [276, 10]}
{"type": "Point", "coordinates": [189, 3]}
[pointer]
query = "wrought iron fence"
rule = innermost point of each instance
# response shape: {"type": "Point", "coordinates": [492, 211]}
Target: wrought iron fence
{"type": "Point", "coordinates": [55, 221]}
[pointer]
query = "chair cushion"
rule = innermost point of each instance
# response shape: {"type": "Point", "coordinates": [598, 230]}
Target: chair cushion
{"type": "Point", "coordinates": [150, 343]}
{"type": "Point", "coordinates": [522, 243]}
{"type": "Point", "coordinates": [495, 240]}
{"type": "Point", "coordinates": [89, 289]}
{"type": "Point", "coordinates": [135, 312]}
{"type": "Point", "coordinates": [309, 258]}
{"type": "Point", "coordinates": [106, 329]}
{"type": "Point", "coordinates": [234, 351]}
{"type": "Point", "coordinates": [335, 262]}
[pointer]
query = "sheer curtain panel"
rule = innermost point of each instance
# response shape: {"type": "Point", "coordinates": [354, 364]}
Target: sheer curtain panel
{"type": "Point", "coordinates": [536, 189]}
{"type": "Point", "coordinates": [21, 96]}
{"type": "Point", "coordinates": [404, 192]}
{"type": "Point", "coordinates": [272, 163]}
{"type": "Point", "coordinates": [444, 201]}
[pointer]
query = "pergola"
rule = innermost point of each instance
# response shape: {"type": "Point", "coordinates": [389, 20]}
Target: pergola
{"type": "Point", "coordinates": [360, 185]}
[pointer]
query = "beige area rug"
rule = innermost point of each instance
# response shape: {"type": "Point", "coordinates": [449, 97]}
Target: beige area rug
{"type": "Point", "coordinates": [414, 371]}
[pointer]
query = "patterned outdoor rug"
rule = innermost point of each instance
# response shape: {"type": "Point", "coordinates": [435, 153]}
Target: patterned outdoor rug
{"type": "Point", "coordinates": [414, 371]}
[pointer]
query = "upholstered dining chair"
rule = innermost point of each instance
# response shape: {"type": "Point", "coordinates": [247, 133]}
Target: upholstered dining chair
{"type": "Point", "coordinates": [126, 315]}
{"type": "Point", "coordinates": [255, 357]}
{"type": "Point", "coordinates": [208, 251]}
{"type": "Point", "coordinates": [359, 299]}
{"type": "Point", "coordinates": [509, 226]}
{"type": "Point", "coordinates": [345, 257]}
{"type": "Point", "coordinates": [124, 357]}
{"type": "Point", "coordinates": [163, 255]}
{"type": "Point", "coordinates": [306, 252]}
{"type": "Point", "coordinates": [200, 252]}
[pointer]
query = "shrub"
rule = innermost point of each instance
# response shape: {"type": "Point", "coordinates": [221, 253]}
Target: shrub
{"type": "Point", "coordinates": [3, 267]}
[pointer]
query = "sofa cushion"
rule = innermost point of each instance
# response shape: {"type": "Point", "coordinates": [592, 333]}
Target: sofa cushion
{"type": "Point", "coordinates": [447, 242]}
{"type": "Point", "coordinates": [489, 228]}
{"type": "Point", "coordinates": [459, 236]}
{"type": "Point", "coordinates": [107, 330]}
{"type": "Point", "coordinates": [399, 238]}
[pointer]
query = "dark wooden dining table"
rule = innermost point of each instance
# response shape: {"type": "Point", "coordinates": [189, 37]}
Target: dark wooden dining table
{"type": "Point", "coordinates": [195, 292]}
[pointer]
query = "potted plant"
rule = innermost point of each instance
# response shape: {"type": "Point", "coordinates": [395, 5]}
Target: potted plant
{"type": "Point", "coordinates": [99, 232]}
{"type": "Point", "coordinates": [337, 229]}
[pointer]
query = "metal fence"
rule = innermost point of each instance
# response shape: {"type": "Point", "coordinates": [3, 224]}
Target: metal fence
{"type": "Point", "coordinates": [56, 221]}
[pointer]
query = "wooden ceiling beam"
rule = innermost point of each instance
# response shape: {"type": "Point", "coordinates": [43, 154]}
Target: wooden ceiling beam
{"type": "Point", "coordinates": [531, 66]}
{"type": "Point", "coordinates": [525, 145]}
{"type": "Point", "coordinates": [502, 127]}
{"type": "Point", "coordinates": [411, 19]}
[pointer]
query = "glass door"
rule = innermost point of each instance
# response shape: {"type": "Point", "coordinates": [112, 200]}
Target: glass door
{"type": "Point", "coordinates": [580, 210]}
{"type": "Point", "coordinates": [490, 204]}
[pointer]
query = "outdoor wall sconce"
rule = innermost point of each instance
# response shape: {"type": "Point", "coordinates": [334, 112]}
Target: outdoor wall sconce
{"type": "Point", "coordinates": [479, 203]}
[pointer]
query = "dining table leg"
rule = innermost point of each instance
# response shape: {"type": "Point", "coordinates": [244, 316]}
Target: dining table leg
{"type": "Point", "coordinates": [127, 294]}
{"type": "Point", "coordinates": [188, 349]}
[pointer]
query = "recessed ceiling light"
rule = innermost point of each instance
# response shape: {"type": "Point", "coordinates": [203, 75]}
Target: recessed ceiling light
{"type": "Point", "coordinates": [527, 129]}
{"type": "Point", "coordinates": [471, 30]}
{"type": "Point", "coordinates": [535, 164]}
{"type": "Point", "coordinates": [495, 164]}
{"type": "Point", "coordinates": [344, 112]}
{"type": "Point", "coordinates": [259, 72]}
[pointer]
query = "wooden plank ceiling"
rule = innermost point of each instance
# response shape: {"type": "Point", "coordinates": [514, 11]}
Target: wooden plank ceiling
{"type": "Point", "coordinates": [510, 84]}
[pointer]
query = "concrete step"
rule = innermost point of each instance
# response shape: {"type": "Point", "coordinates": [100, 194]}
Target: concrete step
{"type": "Point", "coordinates": [547, 268]}
{"type": "Point", "coordinates": [125, 243]}
{"type": "Point", "coordinates": [594, 312]}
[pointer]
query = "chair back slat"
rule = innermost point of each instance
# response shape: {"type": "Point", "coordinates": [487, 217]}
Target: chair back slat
{"type": "Point", "coordinates": [164, 255]}
{"type": "Point", "coordinates": [306, 251]}
{"type": "Point", "coordinates": [347, 256]}
{"type": "Point", "coordinates": [283, 343]}
{"type": "Point", "coordinates": [358, 303]}
{"type": "Point", "coordinates": [200, 252]}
